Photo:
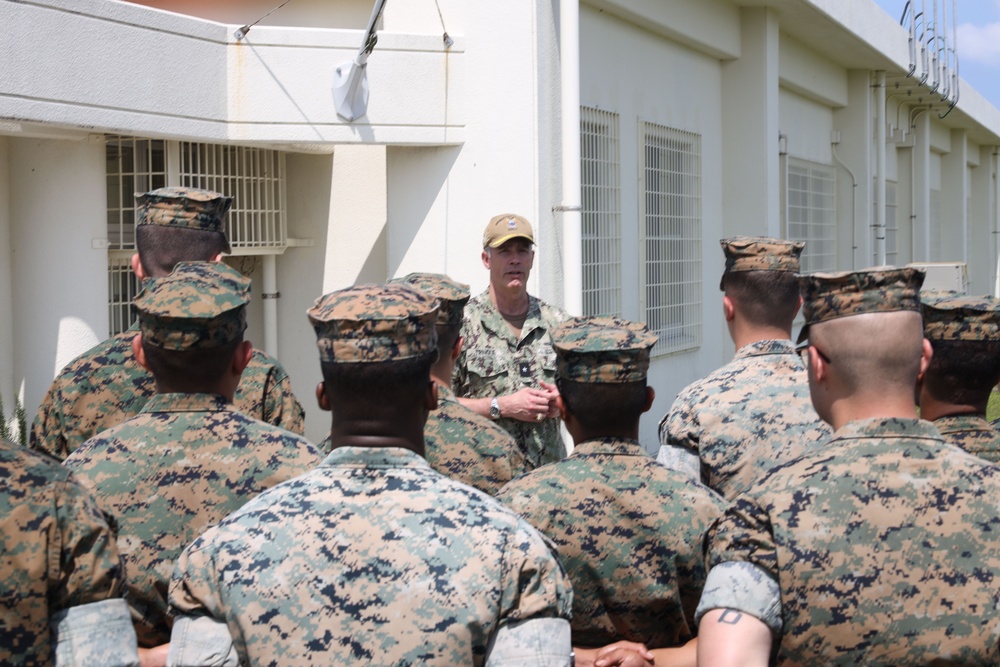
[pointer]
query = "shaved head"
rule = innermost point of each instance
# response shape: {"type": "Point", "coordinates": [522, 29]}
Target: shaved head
{"type": "Point", "coordinates": [873, 354]}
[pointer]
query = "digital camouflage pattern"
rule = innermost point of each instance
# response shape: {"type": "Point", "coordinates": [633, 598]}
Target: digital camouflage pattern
{"type": "Point", "coordinates": [494, 362]}
{"type": "Point", "coordinates": [374, 323]}
{"type": "Point", "coordinates": [468, 447]}
{"type": "Point", "coordinates": [829, 296]}
{"type": "Point", "coordinates": [504, 227]}
{"type": "Point", "coordinates": [57, 553]}
{"type": "Point", "coordinates": [759, 253]}
{"type": "Point", "coordinates": [106, 385]}
{"type": "Point", "coordinates": [628, 531]}
{"type": "Point", "coordinates": [745, 417]}
{"type": "Point", "coordinates": [972, 433]}
{"type": "Point", "coordinates": [951, 316]}
{"type": "Point", "coordinates": [451, 295]}
{"type": "Point", "coordinates": [602, 349]}
{"type": "Point", "coordinates": [167, 474]}
{"type": "Point", "coordinates": [200, 305]}
{"type": "Point", "coordinates": [373, 558]}
{"type": "Point", "coordinates": [187, 208]}
{"type": "Point", "coordinates": [885, 546]}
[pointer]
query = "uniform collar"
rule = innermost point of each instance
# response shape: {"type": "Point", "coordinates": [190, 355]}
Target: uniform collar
{"type": "Point", "coordinates": [187, 403]}
{"type": "Point", "coordinates": [893, 427]}
{"type": "Point", "coordinates": [609, 447]}
{"type": "Point", "coordinates": [763, 347]}
{"type": "Point", "coordinates": [966, 422]}
{"type": "Point", "coordinates": [374, 457]}
{"type": "Point", "coordinates": [492, 319]}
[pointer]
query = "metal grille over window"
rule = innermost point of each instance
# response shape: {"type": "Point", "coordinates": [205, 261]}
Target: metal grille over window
{"type": "Point", "coordinates": [600, 190]}
{"type": "Point", "coordinates": [812, 214]}
{"type": "Point", "coordinates": [254, 177]}
{"type": "Point", "coordinates": [133, 165]}
{"type": "Point", "coordinates": [671, 236]}
{"type": "Point", "coordinates": [123, 287]}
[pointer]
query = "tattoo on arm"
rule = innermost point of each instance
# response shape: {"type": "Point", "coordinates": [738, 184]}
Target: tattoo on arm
{"type": "Point", "coordinates": [730, 617]}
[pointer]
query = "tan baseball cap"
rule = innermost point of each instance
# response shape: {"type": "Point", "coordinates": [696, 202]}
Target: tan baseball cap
{"type": "Point", "coordinates": [504, 227]}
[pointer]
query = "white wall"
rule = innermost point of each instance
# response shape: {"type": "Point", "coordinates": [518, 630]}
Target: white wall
{"type": "Point", "coordinates": [7, 350]}
{"type": "Point", "coordinates": [58, 205]}
{"type": "Point", "coordinates": [644, 76]}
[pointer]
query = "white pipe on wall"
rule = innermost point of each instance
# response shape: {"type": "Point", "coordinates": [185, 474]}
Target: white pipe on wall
{"type": "Point", "coordinates": [880, 112]}
{"type": "Point", "coordinates": [569, 52]}
{"type": "Point", "coordinates": [270, 297]}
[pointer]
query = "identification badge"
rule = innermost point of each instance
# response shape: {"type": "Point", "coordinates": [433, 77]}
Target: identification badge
{"type": "Point", "coordinates": [525, 369]}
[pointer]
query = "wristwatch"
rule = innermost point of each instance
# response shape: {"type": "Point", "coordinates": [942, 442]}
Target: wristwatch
{"type": "Point", "coordinates": [495, 408]}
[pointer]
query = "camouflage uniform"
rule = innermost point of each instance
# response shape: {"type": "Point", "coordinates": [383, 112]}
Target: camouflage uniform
{"type": "Point", "coordinates": [186, 460]}
{"type": "Point", "coordinates": [753, 412]}
{"type": "Point", "coordinates": [373, 558]}
{"type": "Point", "coordinates": [60, 575]}
{"type": "Point", "coordinates": [105, 386]}
{"type": "Point", "coordinates": [878, 549]}
{"type": "Point", "coordinates": [972, 433]}
{"type": "Point", "coordinates": [628, 531]}
{"type": "Point", "coordinates": [745, 417]}
{"type": "Point", "coordinates": [494, 362]}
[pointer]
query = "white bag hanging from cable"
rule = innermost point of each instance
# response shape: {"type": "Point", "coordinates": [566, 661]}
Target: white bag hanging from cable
{"type": "Point", "coordinates": [350, 79]}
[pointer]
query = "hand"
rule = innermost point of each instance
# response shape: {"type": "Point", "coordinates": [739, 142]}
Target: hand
{"type": "Point", "coordinates": [553, 392]}
{"type": "Point", "coordinates": [624, 654]}
{"type": "Point", "coordinates": [528, 404]}
{"type": "Point", "coordinates": [154, 657]}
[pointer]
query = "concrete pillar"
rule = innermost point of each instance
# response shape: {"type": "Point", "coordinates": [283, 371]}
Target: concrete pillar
{"type": "Point", "coordinates": [750, 174]}
{"type": "Point", "coordinates": [855, 123]}
{"type": "Point", "coordinates": [921, 189]}
{"type": "Point", "coordinates": [979, 246]}
{"type": "Point", "coordinates": [954, 205]}
{"type": "Point", "coordinates": [7, 384]}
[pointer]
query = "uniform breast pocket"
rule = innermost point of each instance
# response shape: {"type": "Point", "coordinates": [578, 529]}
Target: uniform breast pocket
{"type": "Point", "coordinates": [547, 360]}
{"type": "Point", "coordinates": [486, 365]}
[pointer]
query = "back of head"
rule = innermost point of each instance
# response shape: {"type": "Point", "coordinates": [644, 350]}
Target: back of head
{"type": "Point", "coordinates": [602, 364]}
{"type": "Point", "coordinates": [191, 323]}
{"type": "Point", "coordinates": [868, 325]}
{"type": "Point", "coordinates": [376, 344]}
{"type": "Point", "coordinates": [965, 334]}
{"type": "Point", "coordinates": [179, 225]}
{"type": "Point", "coordinates": [761, 279]}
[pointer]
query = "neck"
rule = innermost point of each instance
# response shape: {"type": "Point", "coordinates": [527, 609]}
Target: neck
{"type": "Point", "coordinates": [341, 439]}
{"type": "Point", "coordinates": [404, 429]}
{"type": "Point", "coordinates": [931, 408]}
{"type": "Point", "coordinates": [882, 406]}
{"type": "Point", "coordinates": [441, 372]}
{"type": "Point", "coordinates": [510, 303]}
{"type": "Point", "coordinates": [222, 389]}
{"type": "Point", "coordinates": [744, 334]}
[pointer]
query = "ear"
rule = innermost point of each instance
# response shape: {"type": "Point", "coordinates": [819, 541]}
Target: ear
{"type": "Point", "coordinates": [817, 366]}
{"type": "Point", "coordinates": [650, 397]}
{"type": "Point", "coordinates": [321, 398]}
{"type": "Point", "coordinates": [564, 411]}
{"type": "Point", "coordinates": [456, 349]}
{"type": "Point", "coordinates": [217, 257]}
{"type": "Point", "coordinates": [798, 308]}
{"type": "Point", "coordinates": [728, 308]}
{"type": "Point", "coordinates": [486, 258]}
{"type": "Point", "coordinates": [138, 352]}
{"type": "Point", "coordinates": [241, 357]}
{"type": "Point", "coordinates": [137, 269]}
{"type": "Point", "coordinates": [925, 360]}
{"type": "Point", "coordinates": [431, 397]}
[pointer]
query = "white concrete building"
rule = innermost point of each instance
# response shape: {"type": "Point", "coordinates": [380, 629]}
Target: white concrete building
{"type": "Point", "coordinates": [672, 123]}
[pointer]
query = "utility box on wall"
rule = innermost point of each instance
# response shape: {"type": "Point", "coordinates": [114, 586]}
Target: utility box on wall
{"type": "Point", "coordinates": [945, 276]}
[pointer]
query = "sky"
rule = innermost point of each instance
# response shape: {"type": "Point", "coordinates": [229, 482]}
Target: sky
{"type": "Point", "coordinates": [978, 40]}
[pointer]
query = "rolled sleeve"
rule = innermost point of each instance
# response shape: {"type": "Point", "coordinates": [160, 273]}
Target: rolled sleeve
{"type": "Point", "coordinates": [743, 587]}
{"type": "Point", "coordinates": [542, 642]}
{"type": "Point", "coordinates": [99, 634]}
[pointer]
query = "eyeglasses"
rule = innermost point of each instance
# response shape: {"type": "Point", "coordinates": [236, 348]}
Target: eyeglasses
{"type": "Point", "coordinates": [803, 351]}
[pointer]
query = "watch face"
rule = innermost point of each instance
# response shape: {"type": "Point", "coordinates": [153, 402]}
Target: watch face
{"type": "Point", "coordinates": [495, 409]}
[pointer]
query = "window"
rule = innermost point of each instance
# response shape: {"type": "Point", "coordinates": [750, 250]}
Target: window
{"type": "Point", "coordinates": [254, 177]}
{"type": "Point", "coordinates": [670, 236]}
{"type": "Point", "coordinates": [601, 212]}
{"type": "Point", "coordinates": [811, 213]}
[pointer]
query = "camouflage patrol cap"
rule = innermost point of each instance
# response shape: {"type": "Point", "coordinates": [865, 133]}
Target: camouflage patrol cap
{"type": "Point", "coordinates": [188, 208]}
{"type": "Point", "coordinates": [602, 350]}
{"type": "Point", "coordinates": [451, 295]}
{"type": "Point", "coordinates": [504, 227]}
{"type": "Point", "coordinates": [374, 323]}
{"type": "Point", "coordinates": [200, 305]}
{"type": "Point", "coordinates": [759, 253]}
{"type": "Point", "coordinates": [952, 316]}
{"type": "Point", "coordinates": [883, 289]}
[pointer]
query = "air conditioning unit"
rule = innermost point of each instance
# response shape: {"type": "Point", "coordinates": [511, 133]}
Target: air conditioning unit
{"type": "Point", "coordinates": [945, 276]}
